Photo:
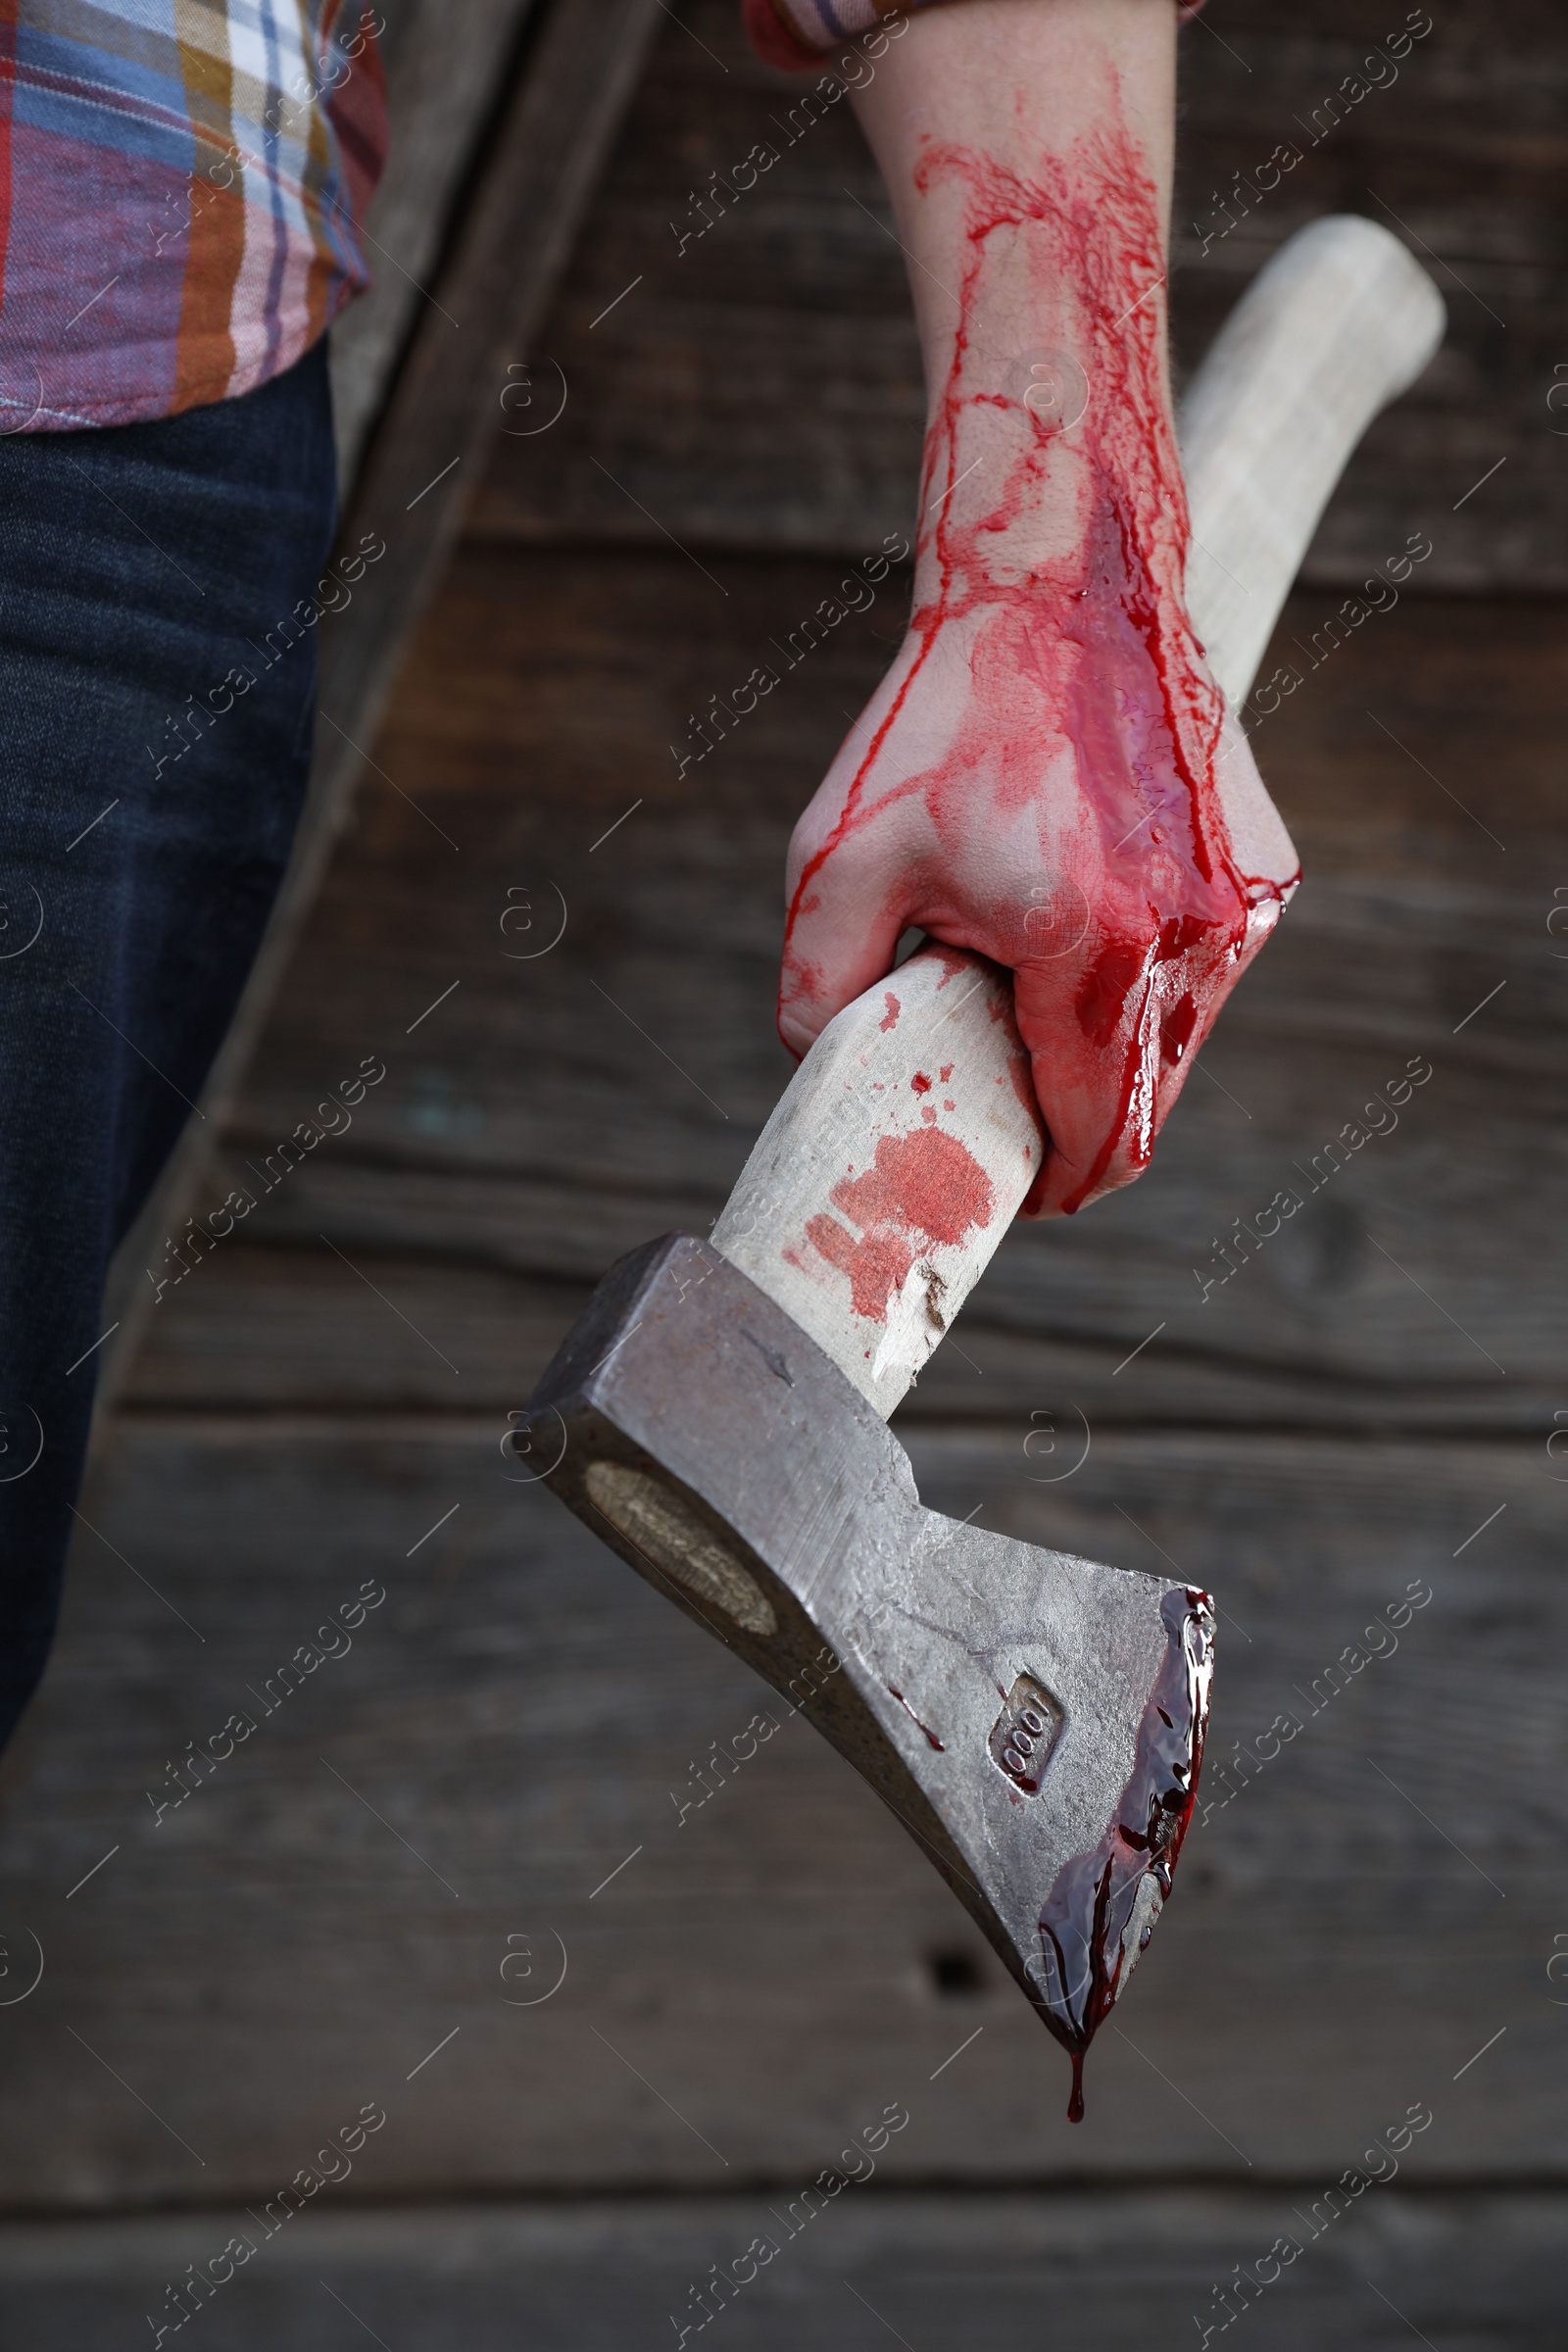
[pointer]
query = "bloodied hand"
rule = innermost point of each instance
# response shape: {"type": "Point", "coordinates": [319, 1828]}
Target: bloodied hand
{"type": "Point", "coordinates": [1047, 773]}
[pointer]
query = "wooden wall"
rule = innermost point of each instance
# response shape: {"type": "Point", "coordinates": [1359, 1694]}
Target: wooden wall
{"type": "Point", "coordinates": [354, 1906]}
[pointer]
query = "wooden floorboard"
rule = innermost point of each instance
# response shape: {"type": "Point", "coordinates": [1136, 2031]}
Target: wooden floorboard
{"type": "Point", "coordinates": [940, 2274]}
{"type": "Point", "coordinates": [373, 1322]}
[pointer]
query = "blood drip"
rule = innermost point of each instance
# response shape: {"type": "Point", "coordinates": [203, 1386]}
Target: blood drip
{"type": "Point", "coordinates": [1092, 649]}
{"type": "Point", "coordinates": [1088, 1918]}
{"type": "Point", "coordinates": [931, 1737]}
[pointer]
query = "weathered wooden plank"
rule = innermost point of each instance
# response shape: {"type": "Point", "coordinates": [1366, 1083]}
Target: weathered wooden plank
{"type": "Point", "coordinates": [350, 1330]}
{"type": "Point", "coordinates": [444, 67]}
{"type": "Point", "coordinates": [521, 1717]}
{"type": "Point", "coordinates": [585, 1098]}
{"type": "Point", "coordinates": [762, 386]}
{"type": "Point", "coordinates": [1093, 2268]}
{"type": "Point", "coordinates": [280, 1329]}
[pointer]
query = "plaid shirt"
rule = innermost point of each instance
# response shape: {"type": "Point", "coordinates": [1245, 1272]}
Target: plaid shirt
{"type": "Point", "coordinates": [182, 183]}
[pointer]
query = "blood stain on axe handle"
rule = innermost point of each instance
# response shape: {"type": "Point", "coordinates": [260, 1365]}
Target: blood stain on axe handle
{"type": "Point", "coordinates": [921, 1189]}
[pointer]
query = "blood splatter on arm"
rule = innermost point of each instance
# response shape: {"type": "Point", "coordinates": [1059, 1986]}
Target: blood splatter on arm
{"type": "Point", "coordinates": [1047, 773]}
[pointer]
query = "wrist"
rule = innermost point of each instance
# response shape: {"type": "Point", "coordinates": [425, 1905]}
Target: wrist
{"type": "Point", "coordinates": [1051, 468]}
{"type": "Point", "coordinates": [1028, 154]}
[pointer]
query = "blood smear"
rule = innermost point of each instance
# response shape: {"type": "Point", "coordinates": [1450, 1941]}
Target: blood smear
{"type": "Point", "coordinates": [923, 1190]}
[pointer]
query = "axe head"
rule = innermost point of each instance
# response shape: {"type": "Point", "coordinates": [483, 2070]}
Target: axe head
{"type": "Point", "coordinates": [1035, 1721]}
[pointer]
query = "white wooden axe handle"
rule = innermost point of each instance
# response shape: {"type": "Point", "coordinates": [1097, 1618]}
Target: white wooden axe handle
{"type": "Point", "coordinates": [903, 1148]}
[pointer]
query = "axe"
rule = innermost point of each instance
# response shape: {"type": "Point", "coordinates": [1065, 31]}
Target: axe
{"type": "Point", "coordinates": [718, 1412]}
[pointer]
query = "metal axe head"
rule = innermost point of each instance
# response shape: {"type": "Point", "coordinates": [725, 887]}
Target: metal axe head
{"type": "Point", "coordinates": [1035, 1721]}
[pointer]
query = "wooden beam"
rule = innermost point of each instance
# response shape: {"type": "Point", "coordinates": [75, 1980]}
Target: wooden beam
{"type": "Point", "coordinates": [445, 71]}
{"type": "Point", "coordinates": [1131, 2265]}
{"type": "Point", "coordinates": [573, 85]}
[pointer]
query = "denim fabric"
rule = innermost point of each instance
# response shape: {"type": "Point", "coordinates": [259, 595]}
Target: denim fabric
{"type": "Point", "coordinates": [141, 846]}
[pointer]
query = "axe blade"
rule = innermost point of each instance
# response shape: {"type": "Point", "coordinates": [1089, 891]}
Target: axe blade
{"type": "Point", "coordinates": [1036, 1721]}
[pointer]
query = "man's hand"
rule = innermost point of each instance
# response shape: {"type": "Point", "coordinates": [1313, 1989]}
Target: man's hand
{"type": "Point", "coordinates": [1046, 773]}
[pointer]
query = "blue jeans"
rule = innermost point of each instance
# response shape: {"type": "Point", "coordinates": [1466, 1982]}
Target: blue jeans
{"type": "Point", "coordinates": [146, 813]}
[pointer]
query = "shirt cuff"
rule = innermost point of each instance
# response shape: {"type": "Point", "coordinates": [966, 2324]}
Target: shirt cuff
{"type": "Point", "coordinates": [794, 33]}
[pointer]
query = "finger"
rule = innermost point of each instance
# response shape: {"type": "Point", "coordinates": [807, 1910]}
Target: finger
{"type": "Point", "coordinates": [1260, 844]}
{"type": "Point", "coordinates": [1102, 1112]}
{"type": "Point", "coordinates": [843, 927]}
{"type": "Point", "coordinates": [1105, 1099]}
